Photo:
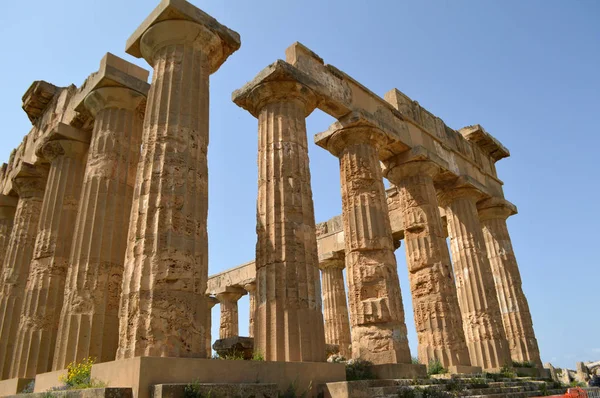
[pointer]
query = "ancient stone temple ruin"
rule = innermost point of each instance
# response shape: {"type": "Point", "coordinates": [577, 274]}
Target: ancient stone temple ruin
{"type": "Point", "coordinates": [103, 229]}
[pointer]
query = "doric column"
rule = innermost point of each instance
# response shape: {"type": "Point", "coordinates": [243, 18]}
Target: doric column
{"type": "Point", "coordinates": [89, 322]}
{"type": "Point", "coordinates": [162, 311]}
{"type": "Point", "coordinates": [335, 307]}
{"type": "Point", "coordinates": [435, 304]}
{"type": "Point", "coordinates": [29, 183]}
{"type": "Point", "coordinates": [251, 289]}
{"type": "Point", "coordinates": [44, 293]}
{"type": "Point", "coordinates": [8, 207]}
{"type": "Point", "coordinates": [210, 303]}
{"type": "Point", "coordinates": [475, 288]}
{"type": "Point", "coordinates": [229, 326]}
{"type": "Point", "coordinates": [376, 310]}
{"type": "Point", "coordinates": [513, 303]}
{"type": "Point", "coordinates": [288, 322]}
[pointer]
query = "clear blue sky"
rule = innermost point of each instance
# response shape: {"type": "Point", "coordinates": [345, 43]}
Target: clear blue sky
{"type": "Point", "coordinates": [526, 70]}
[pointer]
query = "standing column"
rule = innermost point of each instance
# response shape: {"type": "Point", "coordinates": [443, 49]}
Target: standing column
{"type": "Point", "coordinates": [210, 303]}
{"type": "Point", "coordinates": [29, 184]}
{"type": "Point", "coordinates": [289, 322]}
{"type": "Point", "coordinates": [435, 303]}
{"type": "Point", "coordinates": [162, 311]}
{"type": "Point", "coordinates": [376, 310]}
{"type": "Point", "coordinates": [482, 321]}
{"type": "Point", "coordinates": [229, 326]}
{"type": "Point", "coordinates": [89, 322]}
{"type": "Point", "coordinates": [513, 303]}
{"type": "Point", "coordinates": [335, 307]}
{"type": "Point", "coordinates": [251, 289]}
{"type": "Point", "coordinates": [8, 206]}
{"type": "Point", "coordinates": [44, 293]}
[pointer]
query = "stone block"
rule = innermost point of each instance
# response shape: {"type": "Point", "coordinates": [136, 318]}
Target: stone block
{"type": "Point", "coordinates": [238, 390]}
{"type": "Point", "coordinates": [238, 276]}
{"type": "Point", "coordinates": [49, 380]}
{"type": "Point", "coordinates": [37, 97]}
{"type": "Point", "coordinates": [347, 389]}
{"type": "Point", "coordinates": [13, 386]}
{"type": "Point", "coordinates": [399, 371]}
{"type": "Point", "coordinates": [235, 346]}
{"type": "Point", "coordinates": [87, 393]}
{"type": "Point", "coordinates": [142, 372]}
{"type": "Point", "coordinates": [464, 370]}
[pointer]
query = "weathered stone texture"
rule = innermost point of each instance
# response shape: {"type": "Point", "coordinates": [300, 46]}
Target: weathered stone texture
{"type": "Point", "coordinates": [29, 185]}
{"type": "Point", "coordinates": [288, 318]}
{"type": "Point", "coordinates": [477, 297]}
{"type": "Point", "coordinates": [210, 303]}
{"type": "Point", "coordinates": [8, 207]}
{"type": "Point", "coordinates": [89, 321]}
{"type": "Point", "coordinates": [435, 303]}
{"type": "Point", "coordinates": [229, 326]}
{"type": "Point", "coordinates": [44, 292]}
{"type": "Point", "coordinates": [335, 306]}
{"type": "Point", "coordinates": [251, 289]}
{"type": "Point", "coordinates": [376, 310]}
{"type": "Point", "coordinates": [516, 317]}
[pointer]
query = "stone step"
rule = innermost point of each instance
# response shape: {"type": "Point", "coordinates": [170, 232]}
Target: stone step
{"type": "Point", "coordinates": [381, 391]}
{"type": "Point", "coordinates": [524, 394]}
{"type": "Point", "coordinates": [238, 390]}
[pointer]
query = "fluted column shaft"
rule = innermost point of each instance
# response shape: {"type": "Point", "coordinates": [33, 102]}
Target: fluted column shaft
{"type": "Point", "coordinates": [8, 207]}
{"type": "Point", "coordinates": [288, 319]}
{"type": "Point", "coordinates": [376, 310]}
{"type": "Point", "coordinates": [335, 306]}
{"type": "Point", "coordinates": [229, 326]}
{"type": "Point", "coordinates": [44, 292]}
{"type": "Point", "coordinates": [89, 322]}
{"type": "Point", "coordinates": [478, 302]}
{"type": "Point", "coordinates": [16, 263]}
{"type": "Point", "coordinates": [514, 308]}
{"type": "Point", "coordinates": [162, 310]}
{"type": "Point", "coordinates": [251, 289]}
{"type": "Point", "coordinates": [435, 303]}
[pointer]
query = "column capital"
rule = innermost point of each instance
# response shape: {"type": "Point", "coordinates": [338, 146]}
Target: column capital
{"type": "Point", "coordinates": [495, 207]}
{"type": "Point", "coordinates": [231, 295]}
{"type": "Point", "coordinates": [179, 22]}
{"type": "Point", "coordinates": [113, 97]}
{"type": "Point", "coordinates": [463, 187]}
{"type": "Point", "coordinates": [211, 301]}
{"type": "Point", "coordinates": [8, 206]}
{"type": "Point", "coordinates": [416, 161]}
{"type": "Point", "coordinates": [30, 180]}
{"type": "Point", "coordinates": [352, 129]}
{"type": "Point", "coordinates": [250, 287]}
{"type": "Point", "coordinates": [278, 82]}
{"type": "Point", "coordinates": [332, 260]}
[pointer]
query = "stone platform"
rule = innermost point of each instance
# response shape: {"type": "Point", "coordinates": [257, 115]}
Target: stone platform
{"type": "Point", "coordinates": [141, 373]}
{"type": "Point", "coordinates": [87, 393]}
{"type": "Point", "coordinates": [243, 390]}
{"type": "Point", "coordinates": [399, 371]}
{"type": "Point", "coordinates": [13, 386]}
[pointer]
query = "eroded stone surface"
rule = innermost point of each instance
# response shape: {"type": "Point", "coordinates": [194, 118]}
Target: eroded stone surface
{"type": "Point", "coordinates": [229, 326]}
{"type": "Point", "coordinates": [335, 307]}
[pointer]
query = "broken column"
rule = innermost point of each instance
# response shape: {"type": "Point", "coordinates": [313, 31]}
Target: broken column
{"type": "Point", "coordinates": [65, 148]}
{"type": "Point", "coordinates": [335, 307]}
{"type": "Point", "coordinates": [482, 321]}
{"type": "Point", "coordinates": [8, 206]}
{"type": "Point", "coordinates": [163, 311]}
{"type": "Point", "coordinates": [376, 310]}
{"type": "Point", "coordinates": [288, 322]}
{"type": "Point", "coordinates": [435, 304]}
{"type": "Point", "coordinates": [229, 326]}
{"type": "Point", "coordinates": [251, 289]}
{"type": "Point", "coordinates": [29, 184]}
{"type": "Point", "coordinates": [89, 322]}
{"type": "Point", "coordinates": [516, 317]}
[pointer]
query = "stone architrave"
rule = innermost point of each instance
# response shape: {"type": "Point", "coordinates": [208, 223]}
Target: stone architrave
{"type": "Point", "coordinates": [44, 292]}
{"type": "Point", "coordinates": [516, 317]}
{"type": "Point", "coordinates": [251, 289]}
{"type": "Point", "coordinates": [29, 183]}
{"type": "Point", "coordinates": [163, 310]}
{"type": "Point", "coordinates": [376, 311]}
{"type": "Point", "coordinates": [288, 323]}
{"type": "Point", "coordinates": [435, 303]}
{"type": "Point", "coordinates": [8, 207]}
{"type": "Point", "coordinates": [210, 303]}
{"type": "Point", "coordinates": [89, 322]}
{"type": "Point", "coordinates": [229, 326]}
{"type": "Point", "coordinates": [335, 306]}
{"type": "Point", "coordinates": [482, 321]}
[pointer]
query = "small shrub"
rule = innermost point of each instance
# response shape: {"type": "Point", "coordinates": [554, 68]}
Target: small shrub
{"type": "Point", "coordinates": [79, 376]}
{"type": "Point", "coordinates": [507, 372]}
{"type": "Point", "coordinates": [454, 386]}
{"type": "Point", "coordinates": [407, 392]}
{"type": "Point", "coordinates": [29, 388]}
{"type": "Point", "coordinates": [524, 364]}
{"type": "Point", "coordinates": [192, 390]}
{"type": "Point", "coordinates": [544, 390]}
{"type": "Point", "coordinates": [576, 383]}
{"type": "Point", "coordinates": [435, 368]}
{"type": "Point", "coordinates": [291, 391]}
{"type": "Point", "coordinates": [478, 382]}
{"type": "Point", "coordinates": [415, 361]}
{"type": "Point", "coordinates": [336, 358]}
{"type": "Point", "coordinates": [359, 369]}
{"type": "Point", "coordinates": [258, 356]}
{"type": "Point", "coordinates": [430, 392]}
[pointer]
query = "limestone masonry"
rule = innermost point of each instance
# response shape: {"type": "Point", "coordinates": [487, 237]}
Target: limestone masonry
{"type": "Point", "coordinates": [103, 223]}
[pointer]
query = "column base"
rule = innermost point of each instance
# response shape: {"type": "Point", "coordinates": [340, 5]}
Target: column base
{"type": "Point", "coordinates": [47, 381]}
{"type": "Point", "coordinates": [13, 386]}
{"type": "Point", "coordinates": [526, 372]}
{"type": "Point", "coordinates": [399, 371]}
{"type": "Point", "coordinates": [142, 372]}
